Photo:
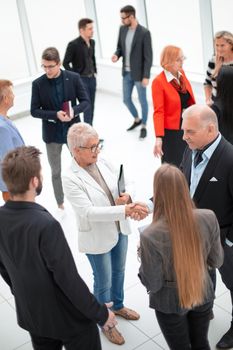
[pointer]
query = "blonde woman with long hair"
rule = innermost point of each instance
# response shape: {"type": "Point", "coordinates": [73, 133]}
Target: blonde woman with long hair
{"type": "Point", "coordinates": [223, 56]}
{"type": "Point", "coordinates": [176, 250]}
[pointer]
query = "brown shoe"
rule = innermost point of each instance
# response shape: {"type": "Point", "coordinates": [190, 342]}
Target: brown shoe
{"type": "Point", "coordinates": [128, 314]}
{"type": "Point", "coordinates": [114, 336]}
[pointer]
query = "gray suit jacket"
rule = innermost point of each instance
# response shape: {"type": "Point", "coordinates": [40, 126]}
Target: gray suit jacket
{"type": "Point", "coordinates": [141, 52]}
{"type": "Point", "coordinates": [156, 270]}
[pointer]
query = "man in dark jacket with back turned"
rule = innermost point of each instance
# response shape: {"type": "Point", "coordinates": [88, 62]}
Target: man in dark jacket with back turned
{"type": "Point", "coordinates": [52, 301]}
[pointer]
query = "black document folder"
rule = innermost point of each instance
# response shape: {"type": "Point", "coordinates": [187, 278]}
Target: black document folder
{"type": "Point", "coordinates": [121, 180]}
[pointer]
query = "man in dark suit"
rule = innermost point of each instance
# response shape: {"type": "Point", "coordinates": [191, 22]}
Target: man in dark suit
{"type": "Point", "coordinates": [134, 46]}
{"type": "Point", "coordinates": [54, 100]}
{"type": "Point", "coordinates": [208, 166]}
{"type": "Point", "coordinates": [80, 58]}
{"type": "Point", "coordinates": [52, 301]}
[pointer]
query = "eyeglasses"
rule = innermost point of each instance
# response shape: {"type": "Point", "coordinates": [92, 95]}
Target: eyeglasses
{"type": "Point", "coordinates": [94, 148]}
{"type": "Point", "coordinates": [48, 67]}
{"type": "Point", "coordinates": [181, 59]}
{"type": "Point", "coordinates": [123, 18]}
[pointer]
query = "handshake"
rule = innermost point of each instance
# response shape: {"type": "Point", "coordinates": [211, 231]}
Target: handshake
{"type": "Point", "coordinates": [137, 211]}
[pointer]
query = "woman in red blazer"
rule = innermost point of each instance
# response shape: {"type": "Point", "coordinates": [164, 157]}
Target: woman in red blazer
{"type": "Point", "coordinates": [171, 93]}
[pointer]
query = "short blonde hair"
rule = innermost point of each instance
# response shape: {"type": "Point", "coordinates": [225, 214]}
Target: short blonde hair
{"type": "Point", "coordinates": [78, 135]}
{"type": "Point", "coordinates": [168, 56]}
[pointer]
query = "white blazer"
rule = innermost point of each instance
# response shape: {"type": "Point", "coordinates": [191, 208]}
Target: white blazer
{"type": "Point", "coordinates": [95, 216]}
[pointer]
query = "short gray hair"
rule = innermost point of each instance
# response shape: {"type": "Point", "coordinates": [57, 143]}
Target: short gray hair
{"type": "Point", "coordinates": [78, 135]}
{"type": "Point", "coordinates": [205, 114]}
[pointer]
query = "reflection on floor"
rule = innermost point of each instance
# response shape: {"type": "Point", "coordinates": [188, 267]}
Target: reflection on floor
{"type": "Point", "coordinates": [111, 121]}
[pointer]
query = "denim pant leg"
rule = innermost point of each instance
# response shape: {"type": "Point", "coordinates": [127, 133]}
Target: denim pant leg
{"type": "Point", "coordinates": [90, 86]}
{"type": "Point", "coordinates": [128, 84]}
{"type": "Point", "coordinates": [108, 270]}
{"type": "Point", "coordinates": [118, 255]}
{"type": "Point", "coordinates": [54, 159]}
{"type": "Point", "coordinates": [102, 272]}
{"type": "Point", "coordinates": [143, 100]}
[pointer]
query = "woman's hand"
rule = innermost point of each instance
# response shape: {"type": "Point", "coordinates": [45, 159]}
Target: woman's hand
{"type": "Point", "coordinates": [158, 152]}
{"type": "Point", "coordinates": [124, 198]}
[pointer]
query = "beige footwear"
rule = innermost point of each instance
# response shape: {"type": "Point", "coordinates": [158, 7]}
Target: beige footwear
{"type": "Point", "coordinates": [128, 314]}
{"type": "Point", "coordinates": [114, 336]}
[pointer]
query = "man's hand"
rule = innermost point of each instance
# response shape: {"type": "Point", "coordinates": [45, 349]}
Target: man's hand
{"type": "Point", "coordinates": [111, 321]}
{"type": "Point", "coordinates": [145, 82]}
{"type": "Point", "coordinates": [63, 117]}
{"type": "Point", "coordinates": [114, 58]}
{"type": "Point", "coordinates": [137, 211]}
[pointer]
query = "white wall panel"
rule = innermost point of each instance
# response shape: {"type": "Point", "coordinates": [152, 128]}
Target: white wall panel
{"type": "Point", "coordinates": [177, 23]}
{"type": "Point", "coordinates": [53, 23]}
{"type": "Point", "coordinates": [13, 59]}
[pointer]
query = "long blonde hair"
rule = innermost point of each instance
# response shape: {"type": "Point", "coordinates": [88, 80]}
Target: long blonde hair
{"type": "Point", "coordinates": [173, 203]}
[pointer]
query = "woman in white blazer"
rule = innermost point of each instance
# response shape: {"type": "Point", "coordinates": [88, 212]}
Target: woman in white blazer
{"type": "Point", "coordinates": [102, 219]}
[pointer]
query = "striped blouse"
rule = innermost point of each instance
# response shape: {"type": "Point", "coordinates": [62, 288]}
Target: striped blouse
{"type": "Point", "coordinates": [210, 80]}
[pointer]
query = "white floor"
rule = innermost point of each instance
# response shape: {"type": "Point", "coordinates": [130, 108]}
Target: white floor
{"type": "Point", "coordinates": [111, 121]}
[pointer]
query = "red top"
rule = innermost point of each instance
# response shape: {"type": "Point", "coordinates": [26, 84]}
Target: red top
{"type": "Point", "coordinates": [167, 104]}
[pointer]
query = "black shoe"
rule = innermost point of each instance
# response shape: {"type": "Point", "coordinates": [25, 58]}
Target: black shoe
{"type": "Point", "coordinates": [143, 133]}
{"type": "Point", "coordinates": [134, 125]}
{"type": "Point", "coordinates": [226, 342]}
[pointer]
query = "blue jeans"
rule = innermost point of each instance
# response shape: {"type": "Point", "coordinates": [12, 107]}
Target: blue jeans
{"type": "Point", "coordinates": [109, 272]}
{"type": "Point", "coordinates": [90, 87]}
{"type": "Point", "coordinates": [128, 85]}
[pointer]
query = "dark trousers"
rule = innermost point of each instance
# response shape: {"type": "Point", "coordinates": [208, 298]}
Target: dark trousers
{"type": "Point", "coordinates": [90, 86]}
{"type": "Point", "coordinates": [185, 332]}
{"type": "Point", "coordinates": [173, 147]}
{"type": "Point", "coordinates": [88, 340]}
{"type": "Point", "coordinates": [226, 272]}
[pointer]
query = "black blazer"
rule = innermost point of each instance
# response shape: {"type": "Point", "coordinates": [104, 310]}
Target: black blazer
{"type": "Point", "coordinates": [42, 104]}
{"type": "Point", "coordinates": [51, 298]}
{"type": "Point", "coordinates": [212, 194]}
{"type": "Point", "coordinates": [75, 54]}
{"type": "Point", "coordinates": [141, 52]}
{"type": "Point", "coordinates": [223, 127]}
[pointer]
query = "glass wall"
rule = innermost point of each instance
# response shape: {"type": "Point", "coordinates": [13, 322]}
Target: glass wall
{"type": "Point", "coordinates": [13, 57]}
{"type": "Point", "coordinates": [53, 23]}
{"type": "Point", "coordinates": [222, 15]}
{"type": "Point", "coordinates": [177, 23]}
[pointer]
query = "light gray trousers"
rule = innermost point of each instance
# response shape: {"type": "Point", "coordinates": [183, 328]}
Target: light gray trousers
{"type": "Point", "coordinates": [54, 158]}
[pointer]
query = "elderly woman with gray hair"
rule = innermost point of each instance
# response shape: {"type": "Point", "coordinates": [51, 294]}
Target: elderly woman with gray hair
{"type": "Point", "coordinates": [90, 184]}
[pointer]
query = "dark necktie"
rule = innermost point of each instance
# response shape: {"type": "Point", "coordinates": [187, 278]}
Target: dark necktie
{"type": "Point", "coordinates": [198, 157]}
